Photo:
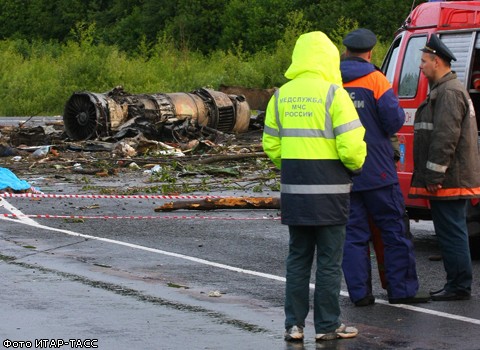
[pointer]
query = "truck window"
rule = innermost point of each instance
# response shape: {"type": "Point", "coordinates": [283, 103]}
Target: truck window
{"type": "Point", "coordinates": [410, 70]}
{"type": "Point", "coordinates": [390, 62]}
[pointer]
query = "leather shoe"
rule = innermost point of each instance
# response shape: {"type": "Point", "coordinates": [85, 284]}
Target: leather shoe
{"type": "Point", "coordinates": [368, 300]}
{"type": "Point", "coordinates": [435, 257]}
{"type": "Point", "coordinates": [448, 296]}
{"type": "Point", "coordinates": [420, 297]}
{"type": "Point", "coordinates": [433, 292]}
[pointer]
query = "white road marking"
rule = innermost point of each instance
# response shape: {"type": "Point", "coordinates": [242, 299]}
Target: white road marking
{"type": "Point", "coordinates": [5, 204]}
{"type": "Point", "coordinates": [30, 222]}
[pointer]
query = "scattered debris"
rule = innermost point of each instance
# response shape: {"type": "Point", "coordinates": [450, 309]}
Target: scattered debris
{"type": "Point", "coordinates": [237, 156]}
{"type": "Point", "coordinates": [7, 151]}
{"type": "Point", "coordinates": [215, 294]}
{"type": "Point", "coordinates": [123, 149]}
{"type": "Point", "coordinates": [35, 136]}
{"type": "Point", "coordinates": [168, 141]}
{"type": "Point", "coordinates": [175, 285]}
{"type": "Point", "coordinates": [41, 152]}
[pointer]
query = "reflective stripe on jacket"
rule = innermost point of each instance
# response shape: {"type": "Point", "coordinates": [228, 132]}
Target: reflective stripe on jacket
{"type": "Point", "coordinates": [313, 134]}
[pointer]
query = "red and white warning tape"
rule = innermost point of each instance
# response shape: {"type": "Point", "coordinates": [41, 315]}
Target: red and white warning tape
{"type": "Point", "coordinates": [141, 196]}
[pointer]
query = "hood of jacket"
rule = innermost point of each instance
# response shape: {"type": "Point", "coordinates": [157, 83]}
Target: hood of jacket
{"type": "Point", "coordinates": [315, 55]}
{"type": "Point", "coordinates": [353, 68]}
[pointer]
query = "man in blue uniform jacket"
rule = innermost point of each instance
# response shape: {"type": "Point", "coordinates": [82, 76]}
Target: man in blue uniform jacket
{"type": "Point", "coordinates": [376, 191]}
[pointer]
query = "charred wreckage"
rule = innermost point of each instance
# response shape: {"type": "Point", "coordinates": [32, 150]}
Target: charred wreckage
{"type": "Point", "coordinates": [178, 116]}
{"type": "Point", "coordinates": [133, 130]}
{"type": "Point", "coordinates": [131, 124]}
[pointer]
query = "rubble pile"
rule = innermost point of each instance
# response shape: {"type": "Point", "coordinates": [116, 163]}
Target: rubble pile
{"type": "Point", "coordinates": [188, 157]}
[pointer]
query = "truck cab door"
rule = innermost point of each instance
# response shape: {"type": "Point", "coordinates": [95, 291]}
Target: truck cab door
{"type": "Point", "coordinates": [402, 68]}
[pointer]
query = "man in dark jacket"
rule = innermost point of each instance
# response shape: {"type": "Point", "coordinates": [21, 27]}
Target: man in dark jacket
{"type": "Point", "coordinates": [376, 192]}
{"type": "Point", "coordinates": [447, 164]}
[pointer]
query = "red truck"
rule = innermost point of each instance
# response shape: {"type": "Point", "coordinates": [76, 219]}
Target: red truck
{"type": "Point", "coordinates": [457, 23]}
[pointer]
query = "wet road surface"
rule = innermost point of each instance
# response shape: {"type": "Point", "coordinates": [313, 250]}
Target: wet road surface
{"type": "Point", "coordinates": [209, 280]}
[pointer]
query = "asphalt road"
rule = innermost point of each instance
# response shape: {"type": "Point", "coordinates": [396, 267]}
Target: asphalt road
{"type": "Point", "coordinates": [185, 280]}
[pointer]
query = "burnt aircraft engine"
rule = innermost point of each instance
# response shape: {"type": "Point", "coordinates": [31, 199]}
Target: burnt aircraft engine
{"type": "Point", "coordinates": [90, 115]}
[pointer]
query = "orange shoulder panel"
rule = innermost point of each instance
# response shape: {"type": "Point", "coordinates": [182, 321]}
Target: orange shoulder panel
{"type": "Point", "coordinates": [375, 81]}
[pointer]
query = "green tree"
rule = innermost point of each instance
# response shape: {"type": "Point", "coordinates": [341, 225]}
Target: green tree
{"type": "Point", "coordinates": [12, 13]}
{"type": "Point", "coordinates": [196, 24]}
{"type": "Point", "coordinates": [383, 17]}
{"type": "Point", "coordinates": [155, 15]}
{"type": "Point", "coordinates": [208, 25]}
{"type": "Point", "coordinates": [39, 19]}
{"type": "Point", "coordinates": [254, 24]}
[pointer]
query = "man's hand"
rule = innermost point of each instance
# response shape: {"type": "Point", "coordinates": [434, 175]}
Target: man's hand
{"type": "Point", "coordinates": [433, 188]}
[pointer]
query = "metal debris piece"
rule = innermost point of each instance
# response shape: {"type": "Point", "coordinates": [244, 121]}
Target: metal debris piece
{"type": "Point", "coordinates": [36, 136]}
{"type": "Point", "coordinates": [7, 151]}
{"type": "Point", "coordinates": [123, 149]}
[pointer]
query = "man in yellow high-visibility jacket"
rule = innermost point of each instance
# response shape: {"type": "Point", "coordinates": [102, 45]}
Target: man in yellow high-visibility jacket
{"type": "Point", "coordinates": [313, 134]}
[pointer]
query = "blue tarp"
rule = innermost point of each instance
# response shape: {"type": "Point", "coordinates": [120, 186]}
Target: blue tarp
{"type": "Point", "coordinates": [10, 180]}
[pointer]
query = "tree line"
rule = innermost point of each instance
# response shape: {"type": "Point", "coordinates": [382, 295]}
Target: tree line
{"type": "Point", "coordinates": [50, 49]}
{"type": "Point", "coordinates": [203, 25]}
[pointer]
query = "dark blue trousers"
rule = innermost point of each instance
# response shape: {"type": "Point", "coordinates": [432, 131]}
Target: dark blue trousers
{"type": "Point", "coordinates": [386, 207]}
{"type": "Point", "coordinates": [449, 220]}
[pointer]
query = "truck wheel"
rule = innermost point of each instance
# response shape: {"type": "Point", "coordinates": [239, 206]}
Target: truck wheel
{"type": "Point", "coordinates": [473, 225]}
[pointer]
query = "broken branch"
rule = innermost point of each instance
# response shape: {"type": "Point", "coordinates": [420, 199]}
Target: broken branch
{"type": "Point", "coordinates": [232, 157]}
{"type": "Point", "coordinates": [223, 203]}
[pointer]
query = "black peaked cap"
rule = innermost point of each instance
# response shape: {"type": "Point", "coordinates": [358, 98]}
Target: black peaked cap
{"type": "Point", "coordinates": [436, 46]}
{"type": "Point", "coordinates": [360, 40]}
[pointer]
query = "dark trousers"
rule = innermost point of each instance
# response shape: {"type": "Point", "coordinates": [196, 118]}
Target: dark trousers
{"type": "Point", "coordinates": [328, 243]}
{"type": "Point", "coordinates": [386, 208]}
{"type": "Point", "coordinates": [449, 220]}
